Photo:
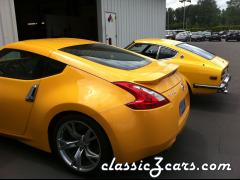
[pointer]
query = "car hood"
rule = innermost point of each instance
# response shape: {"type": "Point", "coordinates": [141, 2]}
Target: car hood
{"type": "Point", "coordinates": [220, 62]}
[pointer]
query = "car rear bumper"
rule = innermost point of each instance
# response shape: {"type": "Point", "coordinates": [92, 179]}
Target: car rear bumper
{"type": "Point", "coordinates": [222, 88]}
{"type": "Point", "coordinates": [139, 134]}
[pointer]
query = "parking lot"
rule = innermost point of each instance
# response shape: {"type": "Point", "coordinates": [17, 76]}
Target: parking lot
{"type": "Point", "coordinates": [211, 136]}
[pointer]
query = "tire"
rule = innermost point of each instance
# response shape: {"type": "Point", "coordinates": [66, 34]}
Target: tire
{"type": "Point", "coordinates": [93, 145]}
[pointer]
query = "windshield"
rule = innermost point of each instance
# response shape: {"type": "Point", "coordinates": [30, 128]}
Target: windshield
{"type": "Point", "coordinates": [108, 56]}
{"type": "Point", "coordinates": [196, 50]}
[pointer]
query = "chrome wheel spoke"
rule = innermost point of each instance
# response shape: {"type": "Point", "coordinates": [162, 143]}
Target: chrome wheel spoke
{"type": "Point", "coordinates": [90, 154]}
{"type": "Point", "coordinates": [78, 158]}
{"type": "Point", "coordinates": [64, 145]}
{"type": "Point", "coordinates": [90, 136]}
{"type": "Point", "coordinates": [72, 131]}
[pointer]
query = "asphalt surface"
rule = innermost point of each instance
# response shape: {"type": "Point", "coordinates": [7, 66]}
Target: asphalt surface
{"type": "Point", "coordinates": [211, 136]}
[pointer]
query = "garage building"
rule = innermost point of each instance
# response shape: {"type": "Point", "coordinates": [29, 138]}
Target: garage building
{"type": "Point", "coordinates": [116, 22]}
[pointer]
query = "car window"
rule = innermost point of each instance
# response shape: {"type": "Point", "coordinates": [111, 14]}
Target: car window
{"type": "Point", "coordinates": [151, 51]}
{"type": "Point", "coordinates": [138, 48]}
{"type": "Point", "coordinates": [24, 65]}
{"type": "Point", "coordinates": [166, 53]}
{"type": "Point", "coordinates": [11, 55]}
{"type": "Point", "coordinates": [146, 49]}
{"type": "Point", "coordinates": [108, 56]}
{"type": "Point", "coordinates": [196, 50]}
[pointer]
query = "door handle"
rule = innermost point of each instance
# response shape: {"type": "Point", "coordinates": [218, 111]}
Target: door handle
{"type": "Point", "coordinates": [32, 93]}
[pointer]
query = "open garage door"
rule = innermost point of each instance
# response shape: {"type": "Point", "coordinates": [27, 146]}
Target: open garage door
{"type": "Point", "coordinates": [54, 18]}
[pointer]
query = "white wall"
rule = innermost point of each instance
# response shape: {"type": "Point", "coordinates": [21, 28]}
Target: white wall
{"type": "Point", "coordinates": [8, 27]}
{"type": "Point", "coordinates": [135, 19]}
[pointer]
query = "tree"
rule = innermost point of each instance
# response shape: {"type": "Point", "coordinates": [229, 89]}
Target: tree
{"type": "Point", "coordinates": [209, 13]}
{"type": "Point", "coordinates": [192, 12]}
{"type": "Point", "coordinates": [170, 17]}
{"type": "Point", "coordinates": [223, 18]}
{"type": "Point", "coordinates": [232, 12]}
{"type": "Point", "coordinates": [233, 3]}
{"type": "Point", "coordinates": [206, 15]}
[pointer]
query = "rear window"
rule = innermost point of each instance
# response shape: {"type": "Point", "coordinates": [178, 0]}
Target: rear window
{"type": "Point", "coordinates": [196, 50]}
{"type": "Point", "coordinates": [108, 56]}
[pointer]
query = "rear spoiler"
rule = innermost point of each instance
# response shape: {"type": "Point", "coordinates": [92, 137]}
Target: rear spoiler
{"type": "Point", "coordinates": [156, 77]}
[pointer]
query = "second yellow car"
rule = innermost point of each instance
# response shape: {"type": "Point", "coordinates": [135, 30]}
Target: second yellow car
{"type": "Point", "coordinates": [204, 72]}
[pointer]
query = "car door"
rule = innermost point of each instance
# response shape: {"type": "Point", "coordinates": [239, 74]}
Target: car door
{"type": "Point", "coordinates": [20, 75]}
{"type": "Point", "coordinates": [19, 81]}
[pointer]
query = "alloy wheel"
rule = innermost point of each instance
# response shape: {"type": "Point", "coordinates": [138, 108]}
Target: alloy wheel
{"type": "Point", "coordinates": [78, 145]}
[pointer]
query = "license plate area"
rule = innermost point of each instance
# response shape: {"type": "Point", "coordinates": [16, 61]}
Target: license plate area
{"type": "Point", "coordinates": [182, 107]}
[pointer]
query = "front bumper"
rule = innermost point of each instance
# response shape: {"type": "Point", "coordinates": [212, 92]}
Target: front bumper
{"type": "Point", "coordinates": [223, 88]}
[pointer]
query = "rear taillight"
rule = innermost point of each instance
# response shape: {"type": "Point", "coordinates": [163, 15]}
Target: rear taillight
{"type": "Point", "coordinates": [144, 98]}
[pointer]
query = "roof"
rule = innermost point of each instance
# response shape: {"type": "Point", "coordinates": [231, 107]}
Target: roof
{"type": "Point", "coordinates": [50, 44]}
{"type": "Point", "coordinates": [158, 41]}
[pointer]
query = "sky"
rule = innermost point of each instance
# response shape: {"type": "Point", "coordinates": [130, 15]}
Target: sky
{"type": "Point", "coordinates": [175, 3]}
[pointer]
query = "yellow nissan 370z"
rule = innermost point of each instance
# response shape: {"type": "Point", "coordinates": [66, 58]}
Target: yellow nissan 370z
{"type": "Point", "coordinates": [87, 102]}
{"type": "Point", "coordinates": [204, 72]}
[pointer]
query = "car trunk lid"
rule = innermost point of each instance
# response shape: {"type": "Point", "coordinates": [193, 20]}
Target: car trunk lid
{"type": "Point", "coordinates": [158, 76]}
{"type": "Point", "coordinates": [220, 62]}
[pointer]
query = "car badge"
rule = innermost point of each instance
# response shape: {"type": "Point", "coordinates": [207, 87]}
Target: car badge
{"type": "Point", "coordinates": [173, 93]}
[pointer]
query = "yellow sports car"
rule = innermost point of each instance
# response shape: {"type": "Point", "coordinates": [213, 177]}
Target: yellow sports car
{"type": "Point", "coordinates": [204, 72]}
{"type": "Point", "coordinates": [87, 102]}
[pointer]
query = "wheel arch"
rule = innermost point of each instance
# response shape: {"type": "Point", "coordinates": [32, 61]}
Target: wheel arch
{"type": "Point", "coordinates": [102, 125]}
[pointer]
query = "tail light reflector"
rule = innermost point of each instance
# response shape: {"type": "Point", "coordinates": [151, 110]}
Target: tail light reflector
{"type": "Point", "coordinates": [144, 98]}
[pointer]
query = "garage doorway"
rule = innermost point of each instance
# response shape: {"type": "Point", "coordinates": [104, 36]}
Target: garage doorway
{"type": "Point", "coordinates": [52, 19]}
